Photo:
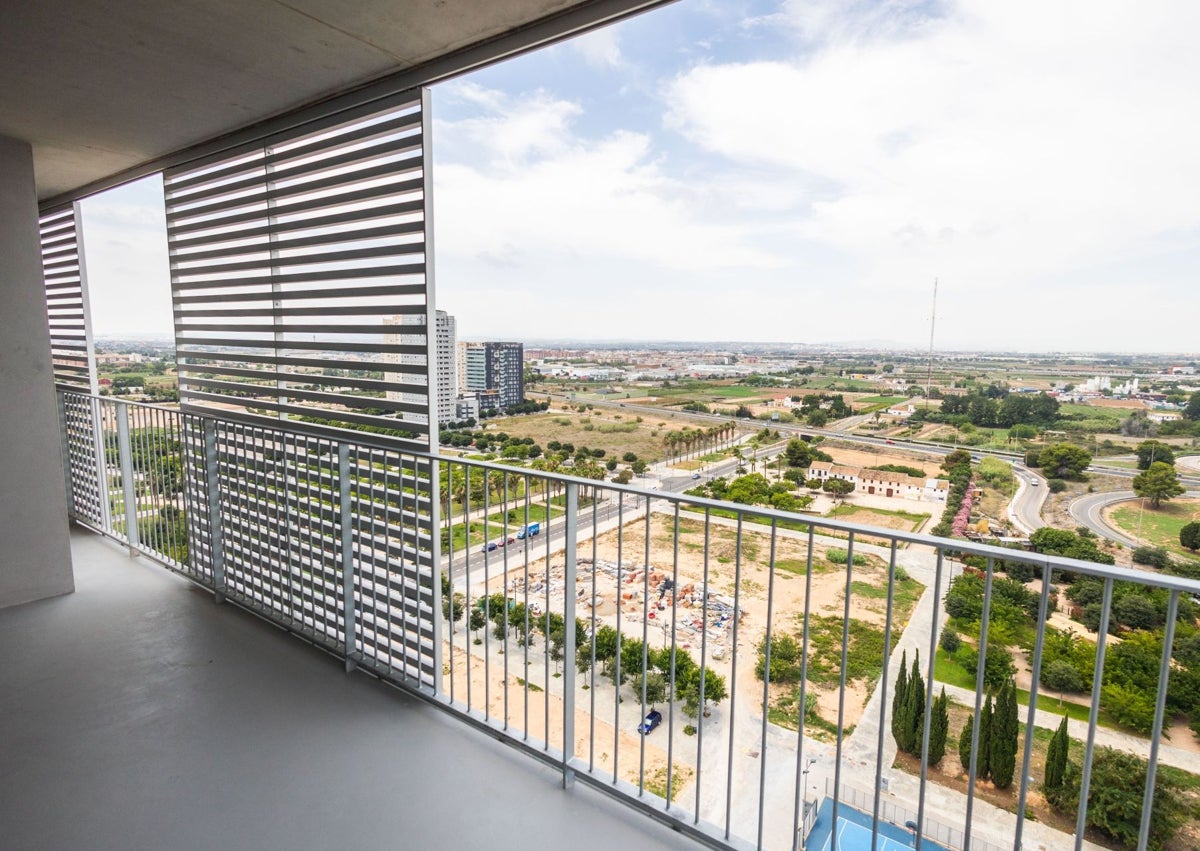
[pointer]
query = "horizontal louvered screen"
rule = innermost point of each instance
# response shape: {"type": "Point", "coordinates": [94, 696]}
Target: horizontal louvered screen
{"type": "Point", "coordinates": [299, 274]}
{"type": "Point", "coordinates": [65, 277]}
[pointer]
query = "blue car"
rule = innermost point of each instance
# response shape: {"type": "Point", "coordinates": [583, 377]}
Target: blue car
{"type": "Point", "coordinates": [488, 547]}
{"type": "Point", "coordinates": [652, 720]}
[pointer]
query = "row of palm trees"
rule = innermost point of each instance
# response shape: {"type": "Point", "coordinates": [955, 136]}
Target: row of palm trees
{"type": "Point", "coordinates": [688, 441]}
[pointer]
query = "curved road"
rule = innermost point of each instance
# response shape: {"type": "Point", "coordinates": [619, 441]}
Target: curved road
{"type": "Point", "coordinates": [1087, 510]}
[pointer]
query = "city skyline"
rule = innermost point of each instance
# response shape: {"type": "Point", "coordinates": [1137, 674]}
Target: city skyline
{"type": "Point", "coordinates": [801, 178]}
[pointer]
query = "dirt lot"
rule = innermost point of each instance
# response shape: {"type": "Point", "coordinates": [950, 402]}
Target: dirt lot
{"type": "Point", "coordinates": [613, 431]}
{"type": "Point", "coordinates": [753, 583]}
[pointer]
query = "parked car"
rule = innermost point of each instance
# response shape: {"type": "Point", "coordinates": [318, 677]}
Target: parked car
{"type": "Point", "coordinates": [653, 719]}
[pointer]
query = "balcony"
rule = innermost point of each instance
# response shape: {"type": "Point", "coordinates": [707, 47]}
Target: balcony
{"type": "Point", "coordinates": [682, 601]}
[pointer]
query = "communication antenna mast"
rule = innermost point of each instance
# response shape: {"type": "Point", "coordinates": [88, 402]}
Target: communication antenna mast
{"type": "Point", "coordinates": [932, 324]}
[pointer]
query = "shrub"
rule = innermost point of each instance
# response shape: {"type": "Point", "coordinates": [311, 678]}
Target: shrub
{"type": "Point", "coordinates": [836, 555]}
{"type": "Point", "coordinates": [1151, 556]}
{"type": "Point", "coordinates": [1056, 485]}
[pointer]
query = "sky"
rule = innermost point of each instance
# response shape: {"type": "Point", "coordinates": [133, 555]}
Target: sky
{"type": "Point", "coordinates": [802, 172]}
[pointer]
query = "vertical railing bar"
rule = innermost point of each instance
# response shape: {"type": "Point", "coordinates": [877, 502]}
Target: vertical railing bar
{"type": "Point", "coordinates": [446, 468]}
{"type": "Point", "coordinates": [674, 633]}
{"type": "Point", "coordinates": [214, 509]}
{"type": "Point", "coordinates": [1085, 781]}
{"type": "Point", "coordinates": [466, 579]}
{"type": "Point", "coordinates": [411, 582]}
{"type": "Point", "coordinates": [546, 517]}
{"type": "Point", "coordinates": [487, 598]}
{"type": "Point", "coordinates": [592, 633]}
{"type": "Point", "coordinates": [801, 767]}
{"type": "Point", "coordinates": [617, 659]}
{"type": "Point", "coordinates": [1031, 717]}
{"type": "Point", "coordinates": [837, 765]}
{"type": "Point", "coordinates": [980, 670]}
{"type": "Point", "coordinates": [927, 723]}
{"type": "Point", "coordinates": [102, 482]}
{"type": "Point", "coordinates": [703, 667]}
{"type": "Point", "coordinates": [504, 584]}
{"type": "Point", "coordinates": [737, 588]}
{"type": "Point", "coordinates": [64, 442]}
{"type": "Point", "coordinates": [1160, 704]}
{"type": "Point", "coordinates": [766, 692]}
{"type": "Point", "coordinates": [883, 694]}
{"type": "Point", "coordinates": [645, 643]}
{"type": "Point", "coordinates": [435, 574]}
{"type": "Point", "coordinates": [347, 528]}
{"type": "Point", "coordinates": [125, 460]}
{"type": "Point", "coordinates": [570, 568]}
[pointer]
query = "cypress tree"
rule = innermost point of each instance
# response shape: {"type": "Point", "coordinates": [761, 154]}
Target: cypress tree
{"type": "Point", "coordinates": [914, 712]}
{"type": "Point", "coordinates": [964, 743]}
{"type": "Point", "coordinates": [1005, 730]}
{"type": "Point", "coordinates": [939, 727]}
{"type": "Point", "coordinates": [984, 761]}
{"type": "Point", "coordinates": [917, 703]}
{"type": "Point", "coordinates": [1056, 758]}
{"type": "Point", "coordinates": [899, 697]}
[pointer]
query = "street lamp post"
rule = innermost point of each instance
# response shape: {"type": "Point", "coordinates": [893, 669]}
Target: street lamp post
{"type": "Point", "coordinates": [805, 808]}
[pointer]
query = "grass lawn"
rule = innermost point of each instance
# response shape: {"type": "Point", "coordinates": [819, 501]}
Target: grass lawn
{"type": "Point", "coordinates": [946, 670]}
{"type": "Point", "coordinates": [868, 404]}
{"type": "Point", "coordinates": [1158, 526]}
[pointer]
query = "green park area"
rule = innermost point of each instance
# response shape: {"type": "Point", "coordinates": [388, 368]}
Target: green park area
{"type": "Point", "coordinates": [1160, 526]}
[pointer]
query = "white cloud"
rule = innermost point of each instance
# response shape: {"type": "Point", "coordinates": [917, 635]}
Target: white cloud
{"type": "Point", "coordinates": [601, 48]}
{"type": "Point", "coordinates": [1010, 147]}
{"type": "Point", "coordinates": [540, 190]}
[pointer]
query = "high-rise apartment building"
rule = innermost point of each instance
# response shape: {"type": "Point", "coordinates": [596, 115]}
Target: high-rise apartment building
{"type": "Point", "coordinates": [496, 368]}
{"type": "Point", "coordinates": [445, 371]}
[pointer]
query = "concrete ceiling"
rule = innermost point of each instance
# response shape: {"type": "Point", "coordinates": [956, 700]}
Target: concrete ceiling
{"type": "Point", "coordinates": [101, 88]}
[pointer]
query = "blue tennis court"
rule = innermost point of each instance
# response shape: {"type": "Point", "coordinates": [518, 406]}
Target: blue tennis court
{"type": "Point", "coordinates": [854, 832]}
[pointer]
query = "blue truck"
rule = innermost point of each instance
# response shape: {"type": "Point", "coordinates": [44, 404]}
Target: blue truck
{"type": "Point", "coordinates": [529, 531]}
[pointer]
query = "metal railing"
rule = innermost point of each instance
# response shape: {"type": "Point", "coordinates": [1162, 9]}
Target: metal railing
{"type": "Point", "coordinates": [565, 614]}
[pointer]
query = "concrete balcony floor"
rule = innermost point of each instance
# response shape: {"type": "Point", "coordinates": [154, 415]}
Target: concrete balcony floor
{"type": "Point", "coordinates": [137, 714]}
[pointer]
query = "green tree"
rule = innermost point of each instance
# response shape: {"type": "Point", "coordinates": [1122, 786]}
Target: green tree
{"type": "Point", "coordinates": [939, 728]}
{"type": "Point", "coordinates": [987, 717]}
{"type": "Point", "coordinates": [1061, 676]}
{"type": "Point", "coordinates": [912, 725]}
{"type": "Point", "coordinates": [1192, 410]}
{"type": "Point", "coordinates": [1157, 483]}
{"type": "Point", "coordinates": [1189, 536]}
{"type": "Point", "coordinates": [1005, 730]}
{"type": "Point", "coordinates": [1151, 451]}
{"type": "Point", "coordinates": [1064, 461]}
{"type": "Point", "coordinates": [1115, 794]}
{"type": "Point", "coordinates": [798, 453]}
{"type": "Point", "coordinates": [838, 487]}
{"type": "Point", "coordinates": [817, 418]}
{"type": "Point", "coordinates": [1056, 760]}
{"type": "Point", "coordinates": [964, 743]}
{"type": "Point", "coordinates": [898, 697]}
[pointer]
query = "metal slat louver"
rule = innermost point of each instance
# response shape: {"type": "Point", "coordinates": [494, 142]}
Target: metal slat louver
{"type": "Point", "coordinates": [301, 273]}
{"type": "Point", "coordinates": [65, 276]}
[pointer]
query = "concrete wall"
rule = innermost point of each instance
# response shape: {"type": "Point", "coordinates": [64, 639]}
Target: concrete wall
{"type": "Point", "coordinates": [35, 553]}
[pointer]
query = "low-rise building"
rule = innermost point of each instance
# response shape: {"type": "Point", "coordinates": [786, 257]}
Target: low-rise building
{"type": "Point", "coordinates": [882, 482]}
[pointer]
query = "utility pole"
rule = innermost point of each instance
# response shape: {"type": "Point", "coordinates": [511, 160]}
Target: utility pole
{"type": "Point", "coordinates": [932, 324]}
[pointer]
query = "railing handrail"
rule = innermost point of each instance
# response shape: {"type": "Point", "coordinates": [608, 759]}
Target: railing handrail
{"type": "Point", "coordinates": [375, 441]}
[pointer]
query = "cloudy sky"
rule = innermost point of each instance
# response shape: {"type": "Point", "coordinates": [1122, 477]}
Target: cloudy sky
{"type": "Point", "coordinates": [801, 172]}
